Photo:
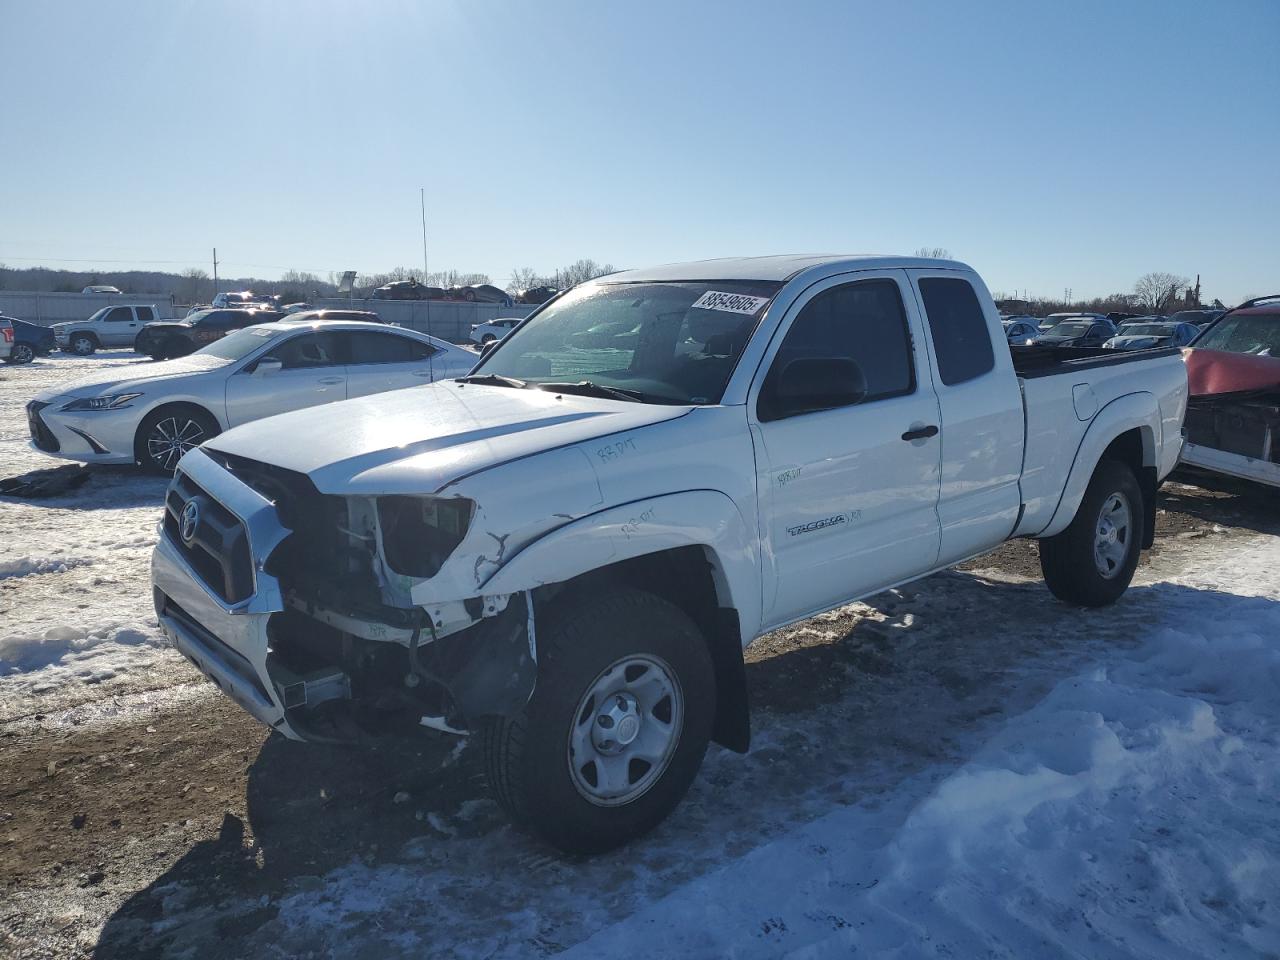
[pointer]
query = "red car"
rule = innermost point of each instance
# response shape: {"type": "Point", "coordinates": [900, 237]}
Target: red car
{"type": "Point", "coordinates": [1233, 414]}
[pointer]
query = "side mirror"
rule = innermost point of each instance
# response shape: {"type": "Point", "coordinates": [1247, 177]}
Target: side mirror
{"type": "Point", "coordinates": [267, 365]}
{"type": "Point", "coordinates": [806, 384]}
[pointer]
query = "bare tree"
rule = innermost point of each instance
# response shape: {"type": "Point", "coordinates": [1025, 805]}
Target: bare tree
{"type": "Point", "coordinates": [1155, 291]}
{"type": "Point", "coordinates": [934, 253]}
{"type": "Point", "coordinates": [195, 278]}
{"type": "Point", "coordinates": [522, 278]}
{"type": "Point", "coordinates": [580, 272]}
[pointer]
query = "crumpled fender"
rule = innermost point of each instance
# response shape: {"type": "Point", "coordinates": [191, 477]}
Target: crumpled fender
{"type": "Point", "coordinates": [705, 518]}
{"type": "Point", "coordinates": [1139, 411]}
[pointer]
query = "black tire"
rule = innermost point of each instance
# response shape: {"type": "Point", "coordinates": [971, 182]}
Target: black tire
{"type": "Point", "coordinates": [1072, 570]}
{"type": "Point", "coordinates": [154, 446]}
{"type": "Point", "coordinates": [526, 760]}
{"type": "Point", "coordinates": [21, 353]}
{"type": "Point", "coordinates": [82, 344]}
{"type": "Point", "coordinates": [487, 338]}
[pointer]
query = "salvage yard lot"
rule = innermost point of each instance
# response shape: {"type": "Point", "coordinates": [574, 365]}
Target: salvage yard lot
{"type": "Point", "coordinates": [959, 767]}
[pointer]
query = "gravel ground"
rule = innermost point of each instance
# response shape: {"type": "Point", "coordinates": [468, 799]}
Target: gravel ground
{"type": "Point", "coordinates": [143, 816]}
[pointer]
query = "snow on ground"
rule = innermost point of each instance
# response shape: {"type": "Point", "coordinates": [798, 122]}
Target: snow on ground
{"type": "Point", "coordinates": [76, 621]}
{"type": "Point", "coordinates": [1130, 813]}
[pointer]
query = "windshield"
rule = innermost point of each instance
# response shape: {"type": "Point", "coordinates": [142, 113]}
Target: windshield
{"type": "Point", "coordinates": [1258, 334]}
{"type": "Point", "coordinates": [1071, 328]}
{"type": "Point", "coordinates": [96, 314]}
{"type": "Point", "coordinates": [673, 342]}
{"type": "Point", "coordinates": [1147, 330]}
{"type": "Point", "coordinates": [237, 344]}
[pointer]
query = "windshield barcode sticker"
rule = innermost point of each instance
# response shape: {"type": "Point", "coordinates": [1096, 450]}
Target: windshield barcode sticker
{"type": "Point", "coordinates": [729, 302]}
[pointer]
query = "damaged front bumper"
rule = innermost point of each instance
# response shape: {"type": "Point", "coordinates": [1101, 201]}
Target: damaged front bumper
{"type": "Point", "coordinates": [297, 657]}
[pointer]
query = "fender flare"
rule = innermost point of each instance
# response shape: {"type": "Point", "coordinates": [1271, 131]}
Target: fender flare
{"type": "Point", "coordinates": [1140, 411]}
{"type": "Point", "coordinates": [701, 518]}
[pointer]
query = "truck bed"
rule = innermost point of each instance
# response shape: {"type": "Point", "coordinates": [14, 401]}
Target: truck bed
{"type": "Point", "coordinates": [1033, 361]}
{"type": "Point", "coordinates": [1064, 389]}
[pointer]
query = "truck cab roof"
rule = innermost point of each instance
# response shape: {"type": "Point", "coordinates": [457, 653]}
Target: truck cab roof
{"type": "Point", "coordinates": [779, 267]}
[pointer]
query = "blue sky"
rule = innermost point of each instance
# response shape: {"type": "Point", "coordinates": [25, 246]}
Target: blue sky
{"type": "Point", "coordinates": [1050, 145]}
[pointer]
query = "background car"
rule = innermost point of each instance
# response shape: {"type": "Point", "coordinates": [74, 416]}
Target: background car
{"type": "Point", "coordinates": [1021, 331]}
{"type": "Point", "coordinates": [1053, 319]}
{"type": "Point", "coordinates": [1085, 331]}
{"type": "Point", "coordinates": [114, 326]}
{"type": "Point", "coordinates": [100, 288]}
{"type": "Point", "coordinates": [153, 414]}
{"type": "Point", "coordinates": [367, 316]}
{"type": "Point", "coordinates": [407, 290]}
{"type": "Point", "coordinates": [177, 338]}
{"type": "Point", "coordinates": [480, 293]}
{"type": "Point", "coordinates": [30, 340]}
{"type": "Point", "coordinates": [1200, 318]}
{"type": "Point", "coordinates": [482, 333]}
{"type": "Point", "coordinates": [232, 298]}
{"type": "Point", "coordinates": [536, 295]}
{"type": "Point", "coordinates": [1144, 336]}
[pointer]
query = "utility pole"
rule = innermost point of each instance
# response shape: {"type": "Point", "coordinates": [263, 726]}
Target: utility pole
{"type": "Point", "coordinates": [426, 277]}
{"type": "Point", "coordinates": [215, 271]}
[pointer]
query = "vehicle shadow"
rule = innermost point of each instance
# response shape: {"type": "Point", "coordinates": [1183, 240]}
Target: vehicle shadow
{"type": "Point", "coordinates": [394, 852]}
{"type": "Point", "coordinates": [1238, 503]}
{"type": "Point", "coordinates": [85, 487]}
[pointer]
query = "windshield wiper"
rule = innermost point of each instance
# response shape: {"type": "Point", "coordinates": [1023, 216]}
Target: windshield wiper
{"type": "Point", "coordinates": [495, 379]}
{"type": "Point", "coordinates": [596, 389]}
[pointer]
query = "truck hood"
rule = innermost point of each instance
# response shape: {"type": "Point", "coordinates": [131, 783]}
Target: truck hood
{"type": "Point", "coordinates": [132, 378]}
{"type": "Point", "coordinates": [421, 439]}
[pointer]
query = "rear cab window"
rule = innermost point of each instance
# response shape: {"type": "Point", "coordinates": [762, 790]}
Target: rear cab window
{"type": "Point", "coordinates": [961, 340]}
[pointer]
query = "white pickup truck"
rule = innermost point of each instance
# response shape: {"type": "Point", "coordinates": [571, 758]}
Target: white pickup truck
{"type": "Point", "coordinates": [114, 326]}
{"type": "Point", "coordinates": [565, 552]}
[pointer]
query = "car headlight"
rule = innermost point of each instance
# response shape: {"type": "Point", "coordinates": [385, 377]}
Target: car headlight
{"type": "Point", "coordinates": [113, 401]}
{"type": "Point", "coordinates": [419, 533]}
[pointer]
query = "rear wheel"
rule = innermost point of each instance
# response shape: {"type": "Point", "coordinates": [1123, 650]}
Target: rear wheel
{"type": "Point", "coordinates": [83, 345]}
{"type": "Point", "coordinates": [22, 353]}
{"type": "Point", "coordinates": [1092, 562]}
{"type": "Point", "coordinates": [617, 726]}
{"type": "Point", "coordinates": [169, 433]}
{"type": "Point", "coordinates": [488, 338]}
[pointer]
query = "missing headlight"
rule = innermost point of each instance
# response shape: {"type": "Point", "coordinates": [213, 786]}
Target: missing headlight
{"type": "Point", "coordinates": [419, 533]}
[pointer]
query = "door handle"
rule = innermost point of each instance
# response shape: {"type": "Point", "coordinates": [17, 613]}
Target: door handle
{"type": "Point", "coordinates": [921, 433]}
{"type": "Point", "coordinates": [330, 381]}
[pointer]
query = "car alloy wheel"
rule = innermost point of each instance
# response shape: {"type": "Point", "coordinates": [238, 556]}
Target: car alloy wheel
{"type": "Point", "coordinates": [22, 353]}
{"type": "Point", "coordinates": [82, 346]}
{"type": "Point", "coordinates": [171, 438]}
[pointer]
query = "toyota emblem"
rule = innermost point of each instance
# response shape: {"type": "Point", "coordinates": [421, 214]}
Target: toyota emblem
{"type": "Point", "coordinates": [190, 521]}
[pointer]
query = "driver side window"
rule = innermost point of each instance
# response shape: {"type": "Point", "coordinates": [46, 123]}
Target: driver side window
{"type": "Point", "coordinates": [863, 321]}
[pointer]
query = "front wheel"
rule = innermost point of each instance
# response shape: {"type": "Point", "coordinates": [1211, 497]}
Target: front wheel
{"type": "Point", "coordinates": [1092, 562]}
{"type": "Point", "coordinates": [83, 346]}
{"type": "Point", "coordinates": [617, 726]}
{"type": "Point", "coordinates": [167, 434]}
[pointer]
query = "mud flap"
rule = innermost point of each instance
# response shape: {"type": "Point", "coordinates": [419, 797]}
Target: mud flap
{"type": "Point", "coordinates": [490, 668]}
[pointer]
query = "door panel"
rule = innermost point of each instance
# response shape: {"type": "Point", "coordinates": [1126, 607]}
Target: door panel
{"type": "Point", "coordinates": [119, 327]}
{"type": "Point", "coordinates": [313, 374]}
{"type": "Point", "coordinates": [847, 505]}
{"type": "Point", "coordinates": [982, 415]}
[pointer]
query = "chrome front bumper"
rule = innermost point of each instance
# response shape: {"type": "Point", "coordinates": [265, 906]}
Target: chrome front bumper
{"type": "Point", "coordinates": [227, 642]}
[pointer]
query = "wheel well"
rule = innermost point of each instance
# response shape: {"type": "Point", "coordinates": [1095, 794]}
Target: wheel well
{"type": "Point", "coordinates": [89, 334]}
{"type": "Point", "coordinates": [684, 576]}
{"type": "Point", "coordinates": [168, 408]}
{"type": "Point", "coordinates": [1129, 449]}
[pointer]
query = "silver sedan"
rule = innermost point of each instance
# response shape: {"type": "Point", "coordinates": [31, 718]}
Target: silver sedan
{"type": "Point", "coordinates": [155, 412]}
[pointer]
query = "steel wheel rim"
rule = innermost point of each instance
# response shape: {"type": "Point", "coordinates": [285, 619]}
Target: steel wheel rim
{"type": "Point", "coordinates": [625, 730]}
{"type": "Point", "coordinates": [171, 438]}
{"type": "Point", "coordinates": [83, 346]}
{"type": "Point", "coordinates": [1111, 538]}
